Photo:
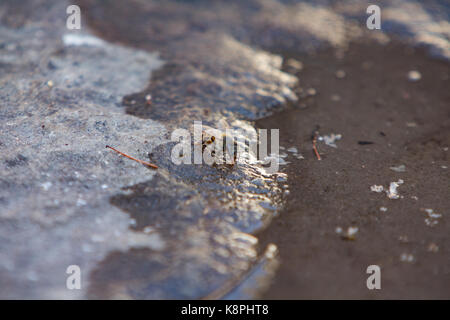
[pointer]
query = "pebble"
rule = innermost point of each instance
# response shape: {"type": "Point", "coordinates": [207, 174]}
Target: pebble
{"type": "Point", "coordinates": [148, 229]}
{"type": "Point", "coordinates": [46, 185]}
{"type": "Point", "coordinates": [414, 75]}
{"type": "Point", "coordinates": [350, 233]}
{"type": "Point", "coordinates": [340, 74]}
{"type": "Point", "coordinates": [335, 98]}
{"type": "Point", "coordinates": [400, 168]}
{"type": "Point", "coordinates": [311, 92]}
{"type": "Point", "coordinates": [392, 192]}
{"type": "Point", "coordinates": [81, 202]}
{"type": "Point", "coordinates": [294, 65]}
{"type": "Point", "coordinates": [407, 257]}
{"type": "Point", "coordinates": [433, 217]}
{"type": "Point", "coordinates": [376, 188]}
{"type": "Point", "coordinates": [330, 140]}
{"type": "Point", "coordinates": [433, 247]}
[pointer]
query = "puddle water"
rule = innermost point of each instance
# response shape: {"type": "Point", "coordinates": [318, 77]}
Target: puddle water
{"type": "Point", "coordinates": [205, 216]}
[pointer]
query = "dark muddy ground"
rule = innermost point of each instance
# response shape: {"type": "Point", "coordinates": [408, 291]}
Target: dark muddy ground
{"type": "Point", "coordinates": [408, 123]}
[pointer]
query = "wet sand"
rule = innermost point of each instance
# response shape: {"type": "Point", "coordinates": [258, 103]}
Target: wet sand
{"type": "Point", "coordinates": [408, 123]}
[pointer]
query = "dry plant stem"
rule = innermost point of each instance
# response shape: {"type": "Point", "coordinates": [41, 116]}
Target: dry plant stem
{"type": "Point", "coordinates": [148, 164]}
{"type": "Point", "coordinates": [314, 142]}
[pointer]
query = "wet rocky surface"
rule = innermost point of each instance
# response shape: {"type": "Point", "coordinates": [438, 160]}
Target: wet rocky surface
{"type": "Point", "coordinates": [179, 231]}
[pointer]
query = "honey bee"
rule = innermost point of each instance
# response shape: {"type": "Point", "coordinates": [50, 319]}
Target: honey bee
{"type": "Point", "coordinates": [212, 136]}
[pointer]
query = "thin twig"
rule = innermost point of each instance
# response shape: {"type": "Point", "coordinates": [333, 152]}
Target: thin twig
{"type": "Point", "coordinates": [151, 165]}
{"type": "Point", "coordinates": [314, 144]}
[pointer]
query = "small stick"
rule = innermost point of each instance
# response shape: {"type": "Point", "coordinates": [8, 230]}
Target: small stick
{"type": "Point", "coordinates": [314, 143]}
{"type": "Point", "coordinates": [137, 160]}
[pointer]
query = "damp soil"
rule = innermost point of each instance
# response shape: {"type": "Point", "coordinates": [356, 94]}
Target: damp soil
{"type": "Point", "coordinates": [385, 121]}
